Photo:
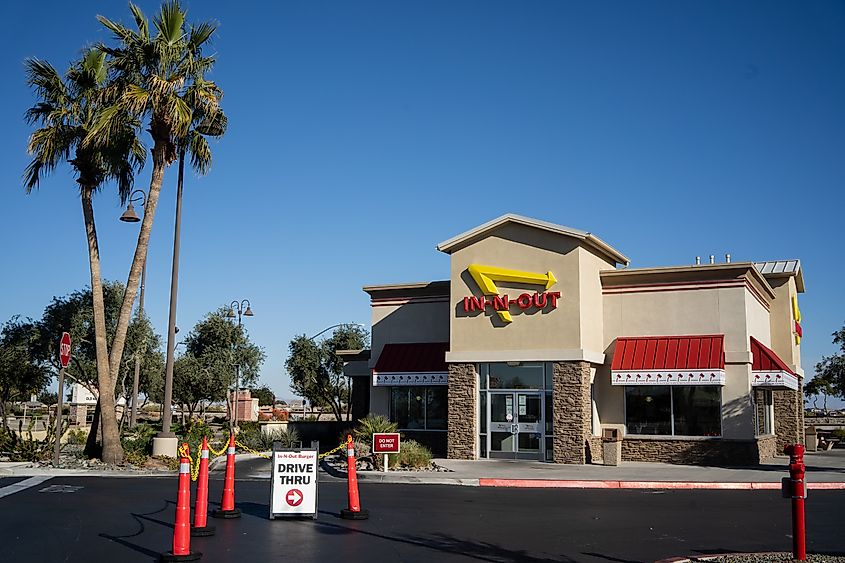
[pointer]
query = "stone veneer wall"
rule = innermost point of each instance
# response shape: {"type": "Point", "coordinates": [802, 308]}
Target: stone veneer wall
{"type": "Point", "coordinates": [760, 410]}
{"type": "Point", "coordinates": [713, 451]}
{"type": "Point", "coordinates": [789, 417]}
{"type": "Point", "coordinates": [572, 412]}
{"type": "Point", "coordinates": [462, 425]}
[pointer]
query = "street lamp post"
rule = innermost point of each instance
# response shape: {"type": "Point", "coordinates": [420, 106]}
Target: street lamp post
{"type": "Point", "coordinates": [242, 308]}
{"type": "Point", "coordinates": [165, 442]}
{"type": "Point", "coordinates": [129, 216]}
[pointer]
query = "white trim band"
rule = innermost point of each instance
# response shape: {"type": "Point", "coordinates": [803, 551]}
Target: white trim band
{"type": "Point", "coordinates": [388, 378]}
{"type": "Point", "coordinates": [230, 451]}
{"type": "Point", "coordinates": [184, 468]}
{"type": "Point", "coordinates": [668, 377]}
{"type": "Point", "coordinates": [774, 379]}
{"type": "Point", "coordinates": [204, 454]}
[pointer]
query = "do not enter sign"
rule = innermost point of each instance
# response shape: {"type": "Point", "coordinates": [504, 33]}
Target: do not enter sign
{"type": "Point", "coordinates": [386, 443]}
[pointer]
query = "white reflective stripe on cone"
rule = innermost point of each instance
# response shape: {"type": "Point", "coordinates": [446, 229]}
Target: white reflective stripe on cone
{"type": "Point", "coordinates": [204, 454]}
{"type": "Point", "coordinates": [184, 468]}
{"type": "Point", "coordinates": [231, 451]}
{"type": "Point", "coordinates": [350, 453]}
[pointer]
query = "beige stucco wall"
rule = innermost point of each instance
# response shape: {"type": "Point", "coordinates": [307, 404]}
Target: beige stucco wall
{"type": "Point", "coordinates": [409, 322]}
{"type": "Point", "coordinates": [554, 334]}
{"type": "Point", "coordinates": [782, 337]}
{"type": "Point", "coordinates": [731, 311]}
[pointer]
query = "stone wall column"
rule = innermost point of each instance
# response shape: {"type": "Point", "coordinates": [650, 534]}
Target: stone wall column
{"type": "Point", "coordinates": [789, 417]}
{"type": "Point", "coordinates": [572, 411]}
{"type": "Point", "coordinates": [462, 433]}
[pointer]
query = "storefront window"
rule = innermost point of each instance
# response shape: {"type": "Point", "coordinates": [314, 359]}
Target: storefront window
{"type": "Point", "coordinates": [419, 408]}
{"type": "Point", "coordinates": [515, 375]}
{"type": "Point", "coordinates": [676, 410]}
{"type": "Point", "coordinates": [648, 410]}
{"type": "Point", "coordinates": [697, 411]}
{"type": "Point", "coordinates": [435, 408]}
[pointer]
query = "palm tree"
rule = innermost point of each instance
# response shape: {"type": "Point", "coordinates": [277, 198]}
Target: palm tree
{"type": "Point", "coordinates": [67, 111]}
{"type": "Point", "coordinates": [159, 77]}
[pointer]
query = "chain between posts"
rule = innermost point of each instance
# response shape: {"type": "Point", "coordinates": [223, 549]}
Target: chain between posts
{"type": "Point", "coordinates": [195, 462]}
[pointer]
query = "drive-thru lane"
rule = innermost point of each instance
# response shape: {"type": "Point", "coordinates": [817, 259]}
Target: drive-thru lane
{"type": "Point", "coordinates": [127, 520]}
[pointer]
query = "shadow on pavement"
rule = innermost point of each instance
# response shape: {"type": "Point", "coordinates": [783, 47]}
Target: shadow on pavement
{"type": "Point", "coordinates": [122, 540]}
{"type": "Point", "coordinates": [482, 551]}
{"type": "Point", "coordinates": [609, 558]}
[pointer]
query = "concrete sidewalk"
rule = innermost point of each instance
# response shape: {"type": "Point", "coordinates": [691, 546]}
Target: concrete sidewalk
{"type": "Point", "coordinates": [824, 469]}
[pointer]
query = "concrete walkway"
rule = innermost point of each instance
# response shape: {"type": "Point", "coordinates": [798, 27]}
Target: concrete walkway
{"type": "Point", "coordinates": [824, 470]}
{"type": "Point", "coordinates": [822, 467]}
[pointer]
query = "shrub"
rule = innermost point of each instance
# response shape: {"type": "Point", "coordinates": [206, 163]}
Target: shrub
{"type": "Point", "coordinates": [372, 424]}
{"type": "Point", "coordinates": [136, 458]}
{"type": "Point", "coordinates": [138, 441]}
{"type": "Point", "coordinates": [254, 438]}
{"type": "Point", "coordinates": [170, 462]}
{"type": "Point", "coordinates": [76, 437]}
{"type": "Point", "coordinates": [412, 455]}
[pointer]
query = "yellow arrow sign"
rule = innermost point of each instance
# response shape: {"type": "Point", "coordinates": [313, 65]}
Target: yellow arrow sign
{"type": "Point", "coordinates": [486, 276]}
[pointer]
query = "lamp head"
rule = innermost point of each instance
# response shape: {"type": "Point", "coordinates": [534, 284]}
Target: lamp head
{"type": "Point", "coordinates": [248, 312]}
{"type": "Point", "coordinates": [129, 216]}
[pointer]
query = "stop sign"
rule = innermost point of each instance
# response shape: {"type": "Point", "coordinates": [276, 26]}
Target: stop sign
{"type": "Point", "coordinates": [64, 349]}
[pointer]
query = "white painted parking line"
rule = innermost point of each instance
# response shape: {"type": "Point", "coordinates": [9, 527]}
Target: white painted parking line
{"type": "Point", "coordinates": [23, 485]}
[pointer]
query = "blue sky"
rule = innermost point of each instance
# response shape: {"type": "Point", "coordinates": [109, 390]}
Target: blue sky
{"type": "Point", "coordinates": [362, 134]}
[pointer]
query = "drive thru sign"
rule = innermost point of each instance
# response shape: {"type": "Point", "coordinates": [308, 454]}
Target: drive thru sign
{"type": "Point", "coordinates": [293, 489]}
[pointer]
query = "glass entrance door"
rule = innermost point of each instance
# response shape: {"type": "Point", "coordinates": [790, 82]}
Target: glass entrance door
{"type": "Point", "coordinates": [516, 425]}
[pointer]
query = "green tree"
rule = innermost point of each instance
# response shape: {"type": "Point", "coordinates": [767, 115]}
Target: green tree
{"type": "Point", "coordinates": [159, 78]}
{"type": "Point", "coordinates": [217, 345]}
{"type": "Point", "coordinates": [316, 371]}
{"type": "Point", "coordinates": [21, 372]}
{"type": "Point", "coordinates": [74, 314]}
{"type": "Point", "coordinates": [67, 110]}
{"type": "Point", "coordinates": [264, 394]}
{"type": "Point", "coordinates": [829, 379]}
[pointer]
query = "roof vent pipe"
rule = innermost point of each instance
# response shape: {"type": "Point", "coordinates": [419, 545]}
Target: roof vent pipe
{"type": "Point", "coordinates": [712, 259]}
{"type": "Point", "coordinates": [727, 258]}
{"type": "Point", "coordinates": [698, 260]}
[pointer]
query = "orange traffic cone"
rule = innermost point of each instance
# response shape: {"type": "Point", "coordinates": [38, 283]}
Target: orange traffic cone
{"type": "Point", "coordinates": [227, 505]}
{"type": "Point", "coordinates": [201, 527]}
{"type": "Point", "coordinates": [182, 527]}
{"type": "Point", "coordinates": [354, 511]}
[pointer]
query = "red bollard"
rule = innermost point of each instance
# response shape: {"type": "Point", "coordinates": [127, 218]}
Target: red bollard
{"type": "Point", "coordinates": [227, 505]}
{"type": "Point", "coordinates": [798, 492]}
{"type": "Point", "coordinates": [354, 511]}
{"type": "Point", "coordinates": [201, 527]}
{"type": "Point", "coordinates": [182, 527]}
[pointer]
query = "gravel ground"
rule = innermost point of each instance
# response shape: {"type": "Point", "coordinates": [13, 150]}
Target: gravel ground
{"type": "Point", "coordinates": [767, 557]}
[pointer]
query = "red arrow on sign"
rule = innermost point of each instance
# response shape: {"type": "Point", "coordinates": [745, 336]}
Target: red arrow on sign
{"type": "Point", "coordinates": [294, 497]}
{"type": "Point", "coordinates": [64, 349]}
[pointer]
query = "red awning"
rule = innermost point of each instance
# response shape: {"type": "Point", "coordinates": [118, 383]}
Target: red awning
{"type": "Point", "coordinates": [768, 369]}
{"type": "Point", "coordinates": [417, 363]}
{"type": "Point", "coordinates": [413, 357]}
{"type": "Point", "coordinates": [669, 360]}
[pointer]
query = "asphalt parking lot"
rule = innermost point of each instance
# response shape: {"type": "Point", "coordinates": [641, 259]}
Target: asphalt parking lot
{"type": "Point", "coordinates": [130, 519]}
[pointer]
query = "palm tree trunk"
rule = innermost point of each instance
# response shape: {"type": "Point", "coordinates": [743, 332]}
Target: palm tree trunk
{"type": "Point", "coordinates": [112, 450]}
{"type": "Point", "coordinates": [156, 181]}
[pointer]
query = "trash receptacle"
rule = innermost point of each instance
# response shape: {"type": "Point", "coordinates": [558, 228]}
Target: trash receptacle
{"type": "Point", "coordinates": [612, 446]}
{"type": "Point", "coordinates": [811, 441]}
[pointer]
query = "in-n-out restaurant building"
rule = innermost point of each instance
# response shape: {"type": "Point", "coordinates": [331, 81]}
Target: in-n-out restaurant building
{"type": "Point", "coordinates": [543, 337]}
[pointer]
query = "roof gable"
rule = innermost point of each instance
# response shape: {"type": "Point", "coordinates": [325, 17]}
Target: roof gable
{"type": "Point", "coordinates": [482, 231]}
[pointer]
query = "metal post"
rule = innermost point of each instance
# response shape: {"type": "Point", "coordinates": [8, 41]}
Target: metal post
{"type": "Point", "coordinates": [133, 415]}
{"type": "Point", "coordinates": [58, 445]}
{"type": "Point", "coordinates": [166, 436]}
{"type": "Point", "coordinates": [799, 493]}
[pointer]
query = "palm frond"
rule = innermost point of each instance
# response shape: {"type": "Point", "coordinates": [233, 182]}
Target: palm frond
{"type": "Point", "coordinates": [200, 34]}
{"type": "Point", "coordinates": [46, 81]}
{"type": "Point", "coordinates": [120, 31]}
{"type": "Point", "coordinates": [200, 153]}
{"type": "Point", "coordinates": [140, 21]}
{"type": "Point", "coordinates": [170, 22]}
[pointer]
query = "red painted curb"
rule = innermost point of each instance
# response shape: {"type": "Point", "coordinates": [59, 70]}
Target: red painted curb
{"type": "Point", "coordinates": [698, 485]}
